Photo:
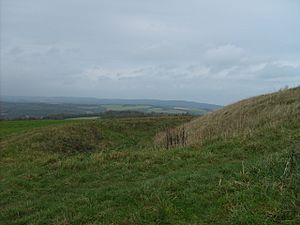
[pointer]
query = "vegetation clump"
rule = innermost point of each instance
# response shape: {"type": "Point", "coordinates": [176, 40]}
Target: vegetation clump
{"type": "Point", "coordinates": [173, 137]}
{"type": "Point", "coordinates": [71, 138]}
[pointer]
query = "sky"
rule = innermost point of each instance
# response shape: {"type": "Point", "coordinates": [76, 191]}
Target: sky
{"type": "Point", "coordinates": [213, 51]}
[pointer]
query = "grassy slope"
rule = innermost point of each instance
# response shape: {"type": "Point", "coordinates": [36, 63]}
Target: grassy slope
{"type": "Point", "coordinates": [8, 128]}
{"type": "Point", "coordinates": [244, 179]}
{"type": "Point", "coordinates": [242, 118]}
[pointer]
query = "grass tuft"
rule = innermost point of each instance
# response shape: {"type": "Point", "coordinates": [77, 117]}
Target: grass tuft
{"type": "Point", "coordinates": [71, 138]}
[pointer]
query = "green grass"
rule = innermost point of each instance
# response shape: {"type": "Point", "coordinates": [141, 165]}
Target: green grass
{"type": "Point", "coordinates": [126, 179]}
{"type": "Point", "coordinates": [19, 126]}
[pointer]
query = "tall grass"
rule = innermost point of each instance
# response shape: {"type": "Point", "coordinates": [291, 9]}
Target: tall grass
{"type": "Point", "coordinates": [70, 138]}
{"type": "Point", "coordinates": [242, 118]}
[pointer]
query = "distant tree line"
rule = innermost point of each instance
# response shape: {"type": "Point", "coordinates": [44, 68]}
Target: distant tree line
{"type": "Point", "coordinates": [106, 114]}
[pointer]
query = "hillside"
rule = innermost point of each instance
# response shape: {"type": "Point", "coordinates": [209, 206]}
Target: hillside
{"type": "Point", "coordinates": [239, 165]}
{"type": "Point", "coordinates": [243, 118]}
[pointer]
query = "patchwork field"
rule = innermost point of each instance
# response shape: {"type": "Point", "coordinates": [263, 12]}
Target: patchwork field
{"type": "Point", "coordinates": [41, 108]}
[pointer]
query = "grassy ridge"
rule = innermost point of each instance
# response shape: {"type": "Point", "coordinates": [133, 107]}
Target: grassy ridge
{"type": "Point", "coordinates": [244, 117]}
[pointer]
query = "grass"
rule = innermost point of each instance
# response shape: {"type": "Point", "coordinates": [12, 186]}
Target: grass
{"type": "Point", "coordinates": [12, 127]}
{"type": "Point", "coordinates": [127, 179]}
{"type": "Point", "coordinates": [244, 117]}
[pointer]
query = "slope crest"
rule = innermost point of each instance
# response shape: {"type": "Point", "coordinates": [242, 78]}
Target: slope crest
{"type": "Point", "coordinates": [241, 118]}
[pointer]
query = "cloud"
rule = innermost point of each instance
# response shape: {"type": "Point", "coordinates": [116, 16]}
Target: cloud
{"type": "Point", "coordinates": [214, 51]}
{"type": "Point", "coordinates": [99, 74]}
{"type": "Point", "coordinates": [224, 55]}
{"type": "Point", "coordinates": [287, 63]}
{"type": "Point", "coordinates": [280, 71]}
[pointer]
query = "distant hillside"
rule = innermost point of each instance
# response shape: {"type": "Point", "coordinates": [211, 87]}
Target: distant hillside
{"type": "Point", "coordinates": [14, 110]}
{"type": "Point", "coordinates": [244, 117]}
{"type": "Point", "coordinates": [41, 107]}
{"type": "Point", "coordinates": [93, 101]}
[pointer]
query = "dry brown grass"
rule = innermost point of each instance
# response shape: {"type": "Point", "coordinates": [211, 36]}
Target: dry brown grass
{"type": "Point", "coordinates": [243, 117]}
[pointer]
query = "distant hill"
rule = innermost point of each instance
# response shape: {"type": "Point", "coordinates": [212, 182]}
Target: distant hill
{"type": "Point", "coordinates": [39, 107]}
{"type": "Point", "coordinates": [99, 101]}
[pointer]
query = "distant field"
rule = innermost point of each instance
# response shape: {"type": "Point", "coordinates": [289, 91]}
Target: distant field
{"type": "Point", "coordinates": [84, 118]}
{"type": "Point", "coordinates": [126, 107]}
{"type": "Point", "coordinates": [17, 110]}
{"type": "Point", "coordinates": [12, 110]}
{"type": "Point", "coordinates": [155, 109]}
{"type": "Point", "coordinates": [149, 109]}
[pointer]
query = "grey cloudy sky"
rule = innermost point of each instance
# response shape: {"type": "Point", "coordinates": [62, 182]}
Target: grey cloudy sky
{"type": "Point", "coordinates": [215, 51]}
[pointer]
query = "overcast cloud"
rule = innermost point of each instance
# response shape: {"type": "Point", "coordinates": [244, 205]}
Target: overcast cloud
{"type": "Point", "coordinates": [215, 51]}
